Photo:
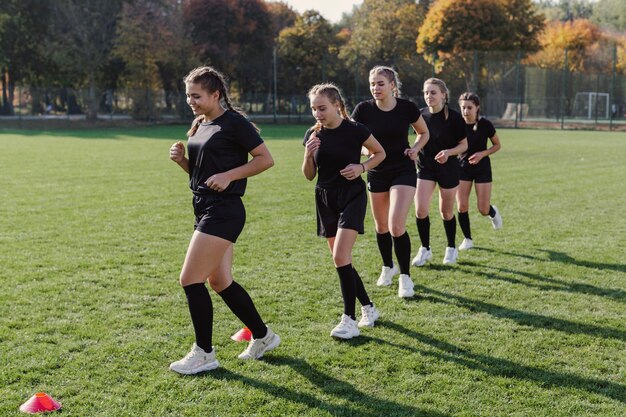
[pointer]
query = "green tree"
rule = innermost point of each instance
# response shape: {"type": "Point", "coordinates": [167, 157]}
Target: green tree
{"type": "Point", "coordinates": [384, 32]}
{"type": "Point", "coordinates": [23, 28]}
{"type": "Point", "coordinates": [235, 36]}
{"type": "Point", "coordinates": [82, 33]}
{"type": "Point", "coordinates": [610, 14]}
{"type": "Point", "coordinates": [306, 53]}
{"type": "Point", "coordinates": [153, 49]}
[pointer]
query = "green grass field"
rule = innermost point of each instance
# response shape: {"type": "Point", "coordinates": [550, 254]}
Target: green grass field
{"type": "Point", "coordinates": [93, 230]}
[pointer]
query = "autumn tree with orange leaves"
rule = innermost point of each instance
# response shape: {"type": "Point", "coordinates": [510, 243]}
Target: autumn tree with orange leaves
{"type": "Point", "coordinates": [577, 37]}
{"type": "Point", "coordinates": [453, 27]}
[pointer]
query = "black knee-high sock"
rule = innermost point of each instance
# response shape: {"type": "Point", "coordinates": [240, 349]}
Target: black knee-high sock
{"type": "Point", "coordinates": [240, 303]}
{"type": "Point", "coordinates": [423, 229]}
{"type": "Point", "coordinates": [361, 294]}
{"type": "Point", "coordinates": [384, 246]}
{"type": "Point", "coordinates": [402, 247]}
{"type": "Point", "coordinates": [201, 310]}
{"type": "Point", "coordinates": [492, 211]}
{"type": "Point", "coordinates": [464, 222]}
{"type": "Point", "coordinates": [450, 226]}
{"type": "Point", "coordinates": [348, 289]}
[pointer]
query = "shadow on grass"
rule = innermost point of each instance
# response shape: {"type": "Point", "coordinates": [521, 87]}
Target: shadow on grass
{"type": "Point", "coordinates": [552, 284]}
{"type": "Point", "coordinates": [504, 367]}
{"type": "Point", "coordinates": [350, 401]}
{"type": "Point", "coordinates": [527, 319]}
{"type": "Point", "coordinates": [554, 256]}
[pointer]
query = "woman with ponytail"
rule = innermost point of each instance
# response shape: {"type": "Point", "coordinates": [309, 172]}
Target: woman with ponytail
{"type": "Point", "coordinates": [391, 184]}
{"type": "Point", "coordinates": [476, 167]}
{"type": "Point", "coordinates": [332, 152]}
{"type": "Point", "coordinates": [437, 164]}
{"type": "Point", "coordinates": [219, 142]}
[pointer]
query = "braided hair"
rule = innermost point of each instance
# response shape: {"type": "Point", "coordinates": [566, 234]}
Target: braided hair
{"type": "Point", "coordinates": [444, 89]}
{"type": "Point", "coordinates": [473, 97]}
{"type": "Point", "coordinates": [391, 75]}
{"type": "Point", "coordinates": [333, 94]}
{"type": "Point", "coordinates": [211, 80]}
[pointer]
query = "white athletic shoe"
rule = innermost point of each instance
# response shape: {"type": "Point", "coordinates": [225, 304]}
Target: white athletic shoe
{"type": "Point", "coordinates": [258, 347]}
{"type": "Point", "coordinates": [466, 244]}
{"type": "Point", "coordinates": [346, 329]}
{"type": "Point", "coordinates": [405, 286]}
{"type": "Point", "coordinates": [386, 275]}
{"type": "Point", "coordinates": [423, 255]}
{"type": "Point", "coordinates": [369, 315]}
{"type": "Point", "coordinates": [496, 220]}
{"type": "Point", "coordinates": [450, 256]}
{"type": "Point", "coordinates": [197, 360]}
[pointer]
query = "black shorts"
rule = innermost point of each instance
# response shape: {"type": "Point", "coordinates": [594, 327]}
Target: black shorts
{"type": "Point", "coordinates": [446, 175]}
{"type": "Point", "coordinates": [341, 207]}
{"type": "Point", "coordinates": [381, 182]}
{"type": "Point", "coordinates": [480, 173]}
{"type": "Point", "coordinates": [221, 215]}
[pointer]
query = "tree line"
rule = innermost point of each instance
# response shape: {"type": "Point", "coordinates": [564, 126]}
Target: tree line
{"type": "Point", "coordinates": [265, 46]}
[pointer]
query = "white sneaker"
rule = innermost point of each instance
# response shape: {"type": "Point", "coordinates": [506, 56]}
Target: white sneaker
{"type": "Point", "coordinates": [386, 275]}
{"type": "Point", "coordinates": [258, 347]}
{"type": "Point", "coordinates": [346, 329]}
{"type": "Point", "coordinates": [450, 256]}
{"type": "Point", "coordinates": [369, 315]}
{"type": "Point", "coordinates": [197, 360]}
{"type": "Point", "coordinates": [466, 244]}
{"type": "Point", "coordinates": [496, 220]}
{"type": "Point", "coordinates": [423, 255]}
{"type": "Point", "coordinates": [405, 286]}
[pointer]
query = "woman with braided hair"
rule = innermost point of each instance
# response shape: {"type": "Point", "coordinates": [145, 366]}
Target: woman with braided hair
{"type": "Point", "coordinates": [437, 164]}
{"type": "Point", "coordinates": [220, 140]}
{"type": "Point", "coordinates": [333, 153]}
{"type": "Point", "coordinates": [476, 167]}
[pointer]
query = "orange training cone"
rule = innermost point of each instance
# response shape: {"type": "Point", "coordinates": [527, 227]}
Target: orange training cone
{"type": "Point", "coordinates": [243, 335]}
{"type": "Point", "coordinates": [40, 402]}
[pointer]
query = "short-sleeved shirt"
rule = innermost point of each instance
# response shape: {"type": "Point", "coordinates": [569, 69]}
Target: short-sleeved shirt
{"type": "Point", "coordinates": [444, 134]}
{"type": "Point", "coordinates": [219, 146]}
{"type": "Point", "coordinates": [339, 147]}
{"type": "Point", "coordinates": [391, 129]}
{"type": "Point", "coordinates": [477, 140]}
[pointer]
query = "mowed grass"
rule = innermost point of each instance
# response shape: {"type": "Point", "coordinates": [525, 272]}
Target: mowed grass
{"type": "Point", "coordinates": [94, 226]}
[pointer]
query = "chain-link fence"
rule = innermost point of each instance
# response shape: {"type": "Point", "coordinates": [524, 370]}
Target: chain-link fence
{"type": "Point", "coordinates": [513, 93]}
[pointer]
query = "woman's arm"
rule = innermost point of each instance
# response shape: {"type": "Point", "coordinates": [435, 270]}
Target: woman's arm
{"type": "Point", "coordinates": [261, 161]}
{"type": "Point", "coordinates": [421, 138]}
{"type": "Point", "coordinates": [442, 156]}
{"type": "Point", "coordinates": [177, 154]}
{"type": "Point", "coordinates": [495, 147]}
{"type": "Point", "coordinates": [308, 164]}
{"type": "Point", "coordinates": [377, 154]}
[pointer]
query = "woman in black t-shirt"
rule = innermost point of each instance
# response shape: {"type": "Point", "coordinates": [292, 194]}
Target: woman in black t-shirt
{"type": "Point", "coordinates": [437, 164]}
{"type": "Point", "coordinates": [333, 153]}
{"type": "Point", "coordinates": [220, 140]}
{"type": "Point", "coordinates": [476, 167]}
{"type": "Point", "coordinates": [391, 184]}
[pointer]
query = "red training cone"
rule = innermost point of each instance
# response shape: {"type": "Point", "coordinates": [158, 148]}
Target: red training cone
{"type": "Point", "coordinates": [40, 402]}
{"type": "Point", "coordinates": [243, 335]}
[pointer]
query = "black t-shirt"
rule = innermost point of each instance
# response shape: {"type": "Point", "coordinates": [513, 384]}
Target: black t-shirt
{"type": "Point", "coordinates": [391, 129]}
{"type": "Point", "coordinates": [339, 147]}
{"type": "Point", "coordinates": [477, 141]}
{"type": "Point", "coordinates": [444, 134]}
{"type": "Point", "coordinates": [219, 146]}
